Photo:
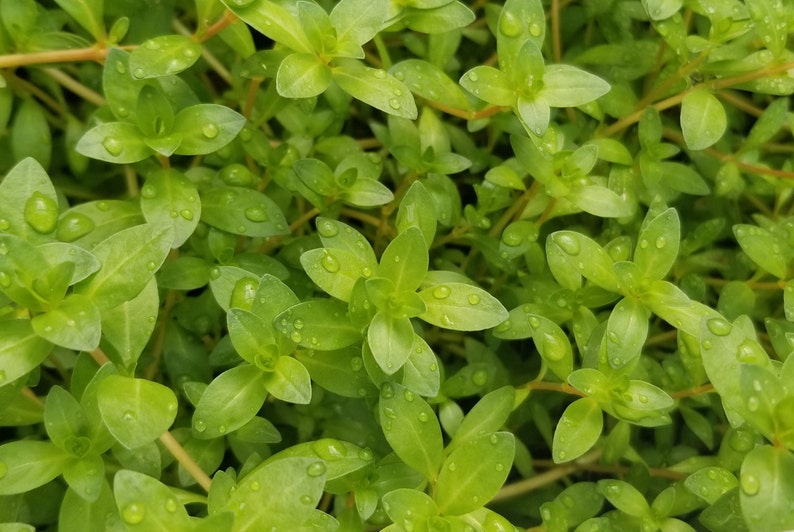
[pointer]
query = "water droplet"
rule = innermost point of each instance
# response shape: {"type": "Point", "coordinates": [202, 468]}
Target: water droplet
{"type": "Point", "coordinates": [327, 228]}
{"type": "Point", "coordinates": [394, 103]}
{"type": "Point", "coordinates": [387, 391]}
{"type": "Point", "coordinates": [534, 322]}
{"type": "Point", "coordinates": [5, 280]}
{"type": "Point", "coordinates": [316, 469]}
{"type": "Point", "coordinates": [129, 416]}
{"type": "Point", "coordinates": [200, 426]}
{"type": "Point", "coordinates": [171, 505]}
{"type": "Point", "coordinates": [753, 403]}
{"type": "Point", "coordinates": [187, 214]}
{"type": "Point", "coordinates": [366, 272]}
{"type": "Point", "coordinates": [707, 344]}
{"type": "Point", "coordinates": [41, 213]}
{"type": "Point", "coordinates": [567, 243]}
{"type": "Point", "coordinates": [210, 131]}
{"type": "Point", "coordinates": [306, 499]}
{"type": "Point", "coordinates": [296, 337]}
{"type": "Point", "coordinates": [379, 73]}
{"type": "Point", "coordinates": [400, 75]}
{"type": "Point", "coordinates": [452, 466]}
{"type": "Point", "coordinates": [479, 377]}
{"type": "Point", "coordinates": [121, 68]}
{"type": "Point", "coordinates": [256, 214]}
{"type": "Point", "coordinates": [719, 327]}
{"type": "Point", "coordinates": [535, 29]}
{"type": "Point", "coordinates": [750, 484]}
{"type": "Point", "coordinates": [215, 273]}
{"type": "Point", "coordinates": [473, 76]}
{"type": "Point", "coordinates": [474, 299]}
{"type": "Point", "coordinates": [643, 398]}
{"type": "Point", "coordinates": [661, 242]}
{"type": "Point", "coordinates": [151, 265]}
{"type": "Point", "coordinates": [423, 417]}
{"type": "Point", "coordinates": [409, 395]}
{"type": "Point", "coordinates": [148, 191]}
{"type": "Point", "coordinates": [133, 513]}
{"type": "Point", "coordinates": [510, 25]}
{"type": "Point", "coordinates": [139, 73]}
{"type": "Point", "coordinates": [113, 146]}
{"type": "Point", "coordinates": [441, 292]}
{"type": "Point", "coordinates": [330, 263]}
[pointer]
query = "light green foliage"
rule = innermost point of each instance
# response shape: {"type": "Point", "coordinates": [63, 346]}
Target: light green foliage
{"type": "Point", "coordinates": [424, 265]}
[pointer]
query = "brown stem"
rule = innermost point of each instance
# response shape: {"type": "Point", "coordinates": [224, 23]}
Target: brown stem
{"type": "Point", "coordinates": [185, 460]}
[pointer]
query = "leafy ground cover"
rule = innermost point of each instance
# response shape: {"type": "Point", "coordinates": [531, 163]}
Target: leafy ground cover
{"type": "Point", "coordinates": [412, 265]}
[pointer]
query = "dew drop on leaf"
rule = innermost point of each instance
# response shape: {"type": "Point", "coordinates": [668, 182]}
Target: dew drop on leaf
{"type": "Point", "coordinates": [365, 455]}
{"type": "Point", "coordinates": [719, 327]}
{"type": "Point", "coordinates": [113, 146]}
{"type": "Point", "coordinates": [479, 377]}
{"type": "Point", "coordinates": [409, 395]}
{"type": "Point", "coordinates": [750, 484]}
{"type": "Point", "coordinates": [121, 68]}
{"type": "Point", "coordinates": [5, 281]}
{"type": "Point", "coordinates": [306, 499]}
{"type": "Point", "coordinates": [568, 244]}
{"type": "Point", "coordinates": [379, 73]}
{"type": "Point", "coordinates": [256, 214]}
{"type": "Point", "coordinates": [474, 299]}
{"type": "Point", "coordinates": [133, 513]}
{"type": "Point", "coordinates": [200, 426]}
{"type": "Point", "coordinates": [139, 73]}
{"type": "Point", "coordinates": [387, 391]}
{"type": "Point", "coordinates": [329, 449]}
{"type": "Point", "coordinates": [41, 213]}
{"type": "Point", "coordinates": [509, 24]}
{"type": "Point", "coordinates": [296, 337]}
{"type": "Point", "coordinates": [316, 469]}
{"type": "Point", "coordinates": [210, 131]}
{"type": "Point", "coordinates": [171, 505]}
{"type": "Point", "coordinates": [128, 416]}
{"type": "Point", "coordinates": [535, 29]}
{"type": "Point", "coordinates": [187, 214]}
{"type": "Point", "coordinates": [327, 228]}
{"type": "Point", "coordinates": [394, 103]}
{"type": "Point", "coordinates": [753, 404]}
{"type": "Point", "coordinates": [330, 263]}
{"type": "Point", "coordinates": [441, 292]}
{"type": "Point", "coordinates": [148, 191]}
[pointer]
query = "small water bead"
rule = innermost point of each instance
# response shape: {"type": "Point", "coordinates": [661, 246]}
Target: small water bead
{"type": "Point", "coordinates": [441, 292]}
{"type": "Point", "coordinates": [535, 29]}
{"type": "Point", "coordinates": [474, 299]}
{"type": "Point", "coordinates": [329, 449]}
{"type": "Point", "coordinates": [5, 280]}
{"type": "Point", "coordinates": [222, 429]}
{"type": "Point", "coordinates": [719, 326]}
{"type": "Point", "coordinates": [660, 242]}
{"type": "Point", "coordinates": [103, 206]}
{"type": "Point", "coordinates": [139, 73]}
{"type": "Point", "coordinates": [171, 505]}
{"type": "Point", "coordinates": [4, 224]}
{"type": "Point", "coordinates": [129, 416]}
{"type": "Point", "coordinates": [753, 403]}
{"type": "Point", "coordinates": [568, 244]}
{"type": "Point", "coordinates": [134, 513]}
{"type": "Point", "coordinates": [210, 131]}
{"type": "Point", "coordinates": [327, 228]}
{"type": "Point", "coordinates": [113, 146]}
{"type": "Point", "coordinates": [41, 213]}
{"type": "Point", "coordinates": [316, 469]}
{"type": "Point", "coordinates": [200, 426]}
{"type": "Point", "coordinates": [121, 68]}
{"type": "Point", "coordinates": [423, 417]}
{"type": "Point", "coordinates": [510, 25]}
{"type": "Point", "coordinates": [365, 454]}
{"type": "Point", "coordinates": [394, 103]}
{"type": "Point", "coordinates": [399, 75]}
{"type": "Point", "coordinates": [494, 439]}
{"type": "Point", "coordinates": [479, 377]}
{"type": "Point", "coordinates": [499, 467]}
{"type": "Point", "coordinates": [379, 73]}
{"type": "Point", "coordinates": [387, 391]}
{"type": "Point", "coordinates": [330, 263]}
{"type": "Point", "coordinates": [452, 466]}
{"type": "Point", "coordinates": [534, 322]}
{"type": "Point", "coordinates": [151, 265]}
{"type": "Point", "coordinates": [306, 499]}
{"type": "Point", "coordinates": [750, 484]}
{"type": "Point", "coordinates": [187, 214]}
{"type": "Point", "coordinates": [148, 191]}
{"type": "Point", "coordinates": [409, 395]}
{"type": "Point", "coordinates": [296, 337]}
{"type": "Point", "coordinates": [366, 272]}
{"type": "Point", "coordinates": [256, 214]}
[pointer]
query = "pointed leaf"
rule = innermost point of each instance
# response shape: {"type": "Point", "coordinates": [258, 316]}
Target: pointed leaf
{"type": "Point", "coordinates": [703, 119]}
{"type": "Point", "coordinates": [461, 307]}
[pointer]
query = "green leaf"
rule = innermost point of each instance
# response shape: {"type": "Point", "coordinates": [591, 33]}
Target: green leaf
{"type": "Point", "coordinates": [411, 428]}
{"type": "Point", "coordinates": [440, 19]}
{"type": "Point", "coordinates": [129, 260]}
{"type": "Point", "coordinates": [114, 142]}
{"type": "Point", "coordinates": [430, 82]}
{"type": "Point", "coordinates": [474, 472]}
{"type": "Point", "coordinates": [761, 391]}
{"type": "Point", "coordinates": [488, 415]}
{"type": "Point", "coordinates": [767, 489]}
{"type": "Point", "coordinates": [302, 75]}
{"type": "Point", "coordinates": [205, 128]}
{"type": "Point", "coordinates": [768, 124]}
{"type": "Point", "coordinates": [375, 87]}
{"type": "Point", "coordinates": [657, 248]}
{"type": "Point", "coordinates": [339, 235]}
{"type": "Point", "coordinates": [127, 327]}
{"type": "Point", "coordinates": [519, 21]}
{"type": "Point", "coordinates": [167, 193]}
{"type": "Point", "coordinates": [600, 201]}
{"type": "Point", "coordinates": [358, 20]}
{"type": "Point", "coordinates": [461, 307]}
{"type": "Point", "coordinates": [84, 262]}
{"type": "Point", "coordinates": [553, 345]}
{"type": "Point", "coordinates": [409, 507]}
{"type": "Point", "coordinates": [586, 256]}
{"type": "Point", "coordinates": [417, 210]}
{"type": "Point", "coordinates": [74, 323]}
{"type": "Point", "coordinates": [273, 20]}
{"type": "Point", "coordinates": [26, 465]}
{"type": "Point", "coordinates": [771, 23]}
{"type": "Point", "coordinates": [671, 304]}
{"type": "Point", "coordinates": [87, 13]}
{"type": "Point", "coordinates": [252, 338]}
{"type": "Point", "coordinates": [242, 211]}
{"type": "Point", "coordinates": [534, 113]}
{"type": "Point", "coordinates": [661, 9]}
{"type": "Point", "coordinates": [390, 339]}
{"type": "Point", "coordinates": [764, 248]}
{"type": "Point", "coordinates": [86, 475]}
{"type": "Point", "coordinates": [624, 496]}
{"type": "Point", "coordinates": [289, 381]}
{"type": "Point", "coordinates": [256, 506]}
{"type": "Point", "coordinates": [405, 260]}
{"type": "Point", "coordinates": [711, 483]}
{"type": "Point", "coordinates": [365, 192]}
{"type": "Point", "coordinates": [163, 56]}
{"type": "Point", "coordinates": [76, 513]}
{"type": "Point", "coordinates": [568, 86]}
{"type": "Point", "coordinates": [420, 371]}
{"type": "Point", "coordinates": [30, 133]}
{"type": "Point", "coordinates": [339, 371]}
{"type": "Point", "coordinates": [627, 329]}
{"type": "Point", "coordinates": [64, 420]}
{"type": "Point", "coordinates": [335, 270]}
{"type": "Point", "coordinates": [89, 223]}
{"type": "Point", "coordinates": [341, 458]}
{"type": "Point", "coordinates": [577, 430]}
{"type": "Point", "coordinates": [145, 502]}
{"type": "Point", "coordinates": [229, 402]}
{"type": "Point", "coordinates": [489, 84]}
{"type": "Point", "coordinates": [27, 184]}
{"type": "Point", "coordinates": [319, 324]}
{"type": "Point", "coordinates": [136, 411]}
{"type": "Point", "coordinates": [703, 119]}
{"type": "Point", "coordinates": [21, 350]}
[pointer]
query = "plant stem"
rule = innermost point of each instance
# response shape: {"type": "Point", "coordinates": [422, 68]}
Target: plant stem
{"type": "Point", "coordinates": [544, 479]}
{"type": "Point", "coordinates": [75, 86]}
{"type": "Point", "coordinates": [185, 460]}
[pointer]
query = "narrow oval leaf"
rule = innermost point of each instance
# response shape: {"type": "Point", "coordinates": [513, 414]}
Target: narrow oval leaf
{"type": "Point", "coordinates": [376, 88]}
{"type": "Point", "coordinates": [490, 85]}
{"type": "Point", "coordinates": [577, 430]}
{"type": "Point", "coordinates": [335, 270]}
{"type": "Point", "coordinates": [657, 247]}
{"type": "Point", "coordinates": [114, 142]}
{"type": "Point", "coordinates": [205, 128]}
{"type": "Point", "coordinates": [289, 381]}
{"type": "Point", "coordinates": [135, 411]}
{"type": "Point", "coordinates": [461, 307]}
{"type": "Point", "coordinates": [127, 327]}
{"type": "Point", "coordinates": [163, 56]}
{"type": "Point", "coordinates": [390, 340]}
{"type": "Point", "coordinates": [129, 260]}
{"type": "Point", "coordinates": [405, 260]}
{"type": "Point", "coordinates": [568, 86]}
{"type": "Point", "coordinates": [430, 82]}
{"type": "Point", "coordinates": [703, 119]}
{"type": "Point", "coordinates": [411, 428]}
{"type": "Point", "coordinates": [242, 211]}
{"type": "Point", "coordinates": [767, 489]}
{"type": "Point", "coordinates": [168, 197]}
{"type": "Point", "coordinates": [319, 324]}
{"type": "Point", "coordinates": [21, 350]}
{"type": "Point", "coordinates": [341, 457]}
{"type": "Point", "coordinates": [27, 181]}
{"type": "Point", "coordinates": [229, 402]}
{"type": "Point", "coordinates": [488, 415]}
{"type": "Point", "coordinates": [587, 257]}
{"type": "Point", "coordinates": [147, 503]}
{"type": "Point", "coordinates": [29, 464]}
{"type": "Point", "coordinates": [474, 472]}
{"type": "Point", "coordinates": [302, 76]}
{"type": "Point", "coordinates": [627, 329]}
{"type": "Point", "coordinates": [74, 323]}
{"type": "Point", "coordinates": [764, 248]}
{"type": "Point", "coordinates": [273, 20]}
